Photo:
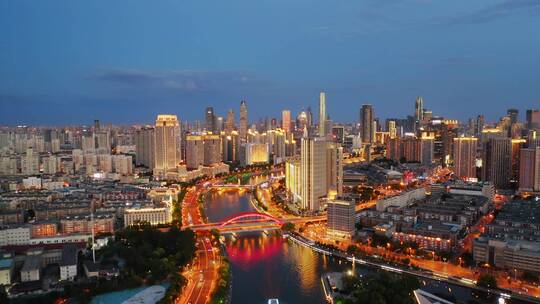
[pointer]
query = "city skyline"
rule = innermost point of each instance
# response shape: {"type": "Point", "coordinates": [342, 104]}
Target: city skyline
{"type": "Point", "coordinates": [449, 53]}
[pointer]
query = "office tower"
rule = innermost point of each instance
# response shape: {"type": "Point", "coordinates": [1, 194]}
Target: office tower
{"type": "Point", "coordinates": [533, 118]}
{"type": "Point", "coordinates": [418, 112]}
{"type": "Point", "coordinates": [309, 117]}
{"type": "Point", "coordinates": [322, 114]}
{"type": "Point", "coordinates": [145, 145]}
{"type": "Point", "coordinates": [313, 172]}
{"type": "Point", "coordinates": [167, 152]}
{"type": "Point", "coordinates": [97, 126]}
{"type": "Point", "coordinates": [212, 149]}
{"type": "Point", "coordinates": [340, 217]}
{"type": "Point", "coordinates": [229, 123]}
{"type": "Point", "coordinates": [366, 121]}
{"type": "Point", "coordinates": [464, 156]}
{"type": "Point", "coordinates": [243, 124]}
{"type": "Point", "coordinates": [513, 114]}
{"type": "Point", "coordinates": [529, 169]}
{"type": "Point", "coordinates": [391, 128]}
{"type": "Point", "coordinates": [194, 151]}
{"type": "Point", "coordinates": [496, 162]}
{"type": "Point", "coordinates": [210, 120]}
{"type": "Point", "coordinates": [286, 121]}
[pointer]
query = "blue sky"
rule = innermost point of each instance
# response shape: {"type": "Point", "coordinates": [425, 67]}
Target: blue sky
{"type": "Point", "coordinates": [74, 61]}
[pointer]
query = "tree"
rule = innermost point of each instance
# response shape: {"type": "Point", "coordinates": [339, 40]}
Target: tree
{"type": "Point", "coordinates": [352, 249]}
{"type": "Point", "coordinates": [288, 227]}
{"type": "Point", "coordinates": [530, 277]}
{"type": "Point", "coordinates": [487, 281]}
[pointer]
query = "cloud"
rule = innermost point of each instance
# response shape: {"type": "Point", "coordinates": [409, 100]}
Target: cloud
{"type": "Point", "coordinates": [178, 80]}
{"type": "Point", "coordinates": [500, 10]}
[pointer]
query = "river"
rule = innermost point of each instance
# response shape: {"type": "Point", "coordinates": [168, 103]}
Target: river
{"type": "Point", "coordinates": [264, 265]}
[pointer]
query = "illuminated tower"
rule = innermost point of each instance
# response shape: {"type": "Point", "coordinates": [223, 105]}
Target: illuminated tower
{"type": "Point", "coordinates": [167, 132]}
{"type": "Point", "coordinates": [286, 121]}
{"type": "Point", "coordinates": [243, 125]}
{"type": "Point", "coordinates": [418, 112]}
{"type": "Point", "coordinates": [322, 114]}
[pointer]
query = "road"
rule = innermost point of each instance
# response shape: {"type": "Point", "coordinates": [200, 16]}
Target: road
{"type": "Point", "coordinates": [203, 273]}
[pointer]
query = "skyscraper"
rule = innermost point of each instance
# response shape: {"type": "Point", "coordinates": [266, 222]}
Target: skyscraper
{"type": "Point", "coordinates": [210, 119]}
{"type": "Point", "coordinates": [167, 152]}
{"type": "Point", "coordinates": [212, 149]}
{"type": "Point", "coordinates": [229, 123]}
{"type": "Point", "coordinates": [366, 121]}
{"type": "Point", "coordinates": [243, 124]}
{"type": "Point", "coordinates": [533, 118]}
{"type": "Point", "coordinates": [418, 112]}
{"type": "Point", "coordinates": [464, 155]}
{"type": "Point", "coordinates": [496, 161]}
{"type": "Point", "coordinates": [322, 114]}
{"type": "Point", "coordinates": [321, 171]}
{"type": "Point", "coordinates": [286, 121]}
{"type": "Point", "coordinates": [313, 172]}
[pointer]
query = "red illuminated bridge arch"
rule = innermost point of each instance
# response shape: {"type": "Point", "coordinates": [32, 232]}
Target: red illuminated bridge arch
{"type": "Point", "coordinates": [246, 215]}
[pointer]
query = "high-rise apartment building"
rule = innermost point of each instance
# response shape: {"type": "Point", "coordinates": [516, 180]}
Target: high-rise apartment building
{"type": "Point", "coordinates": [529, 169]}
{"type": "Point", "coordinates": [194, 151]}
{"type": "Point", "coordinates": [366, 121]}
{"type": "Point", "coordinates": [464, 156]}
{"type": "Point", "coordinates": [167, 134]}
{"type": "Point", "coordinates": [212, 149]}
{"type": "Point", "coordinates": [496, 161]}
{"type": "Point", "coordinates": [322, 114]}
{"type": "Point", "coordinates": [243, 124]}
{"type": "Point", "coordinates": [145, 145]}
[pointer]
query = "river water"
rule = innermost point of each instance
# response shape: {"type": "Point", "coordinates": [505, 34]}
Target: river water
{"type": "Point", "coordinates": [265, 266]}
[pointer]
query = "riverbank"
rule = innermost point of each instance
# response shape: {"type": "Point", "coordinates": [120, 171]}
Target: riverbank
{"type": "Point", "coordinates": [425, 274]}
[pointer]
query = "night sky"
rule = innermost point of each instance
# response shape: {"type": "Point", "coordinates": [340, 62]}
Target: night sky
{"type": "Point", "coordinates": [64, 62]}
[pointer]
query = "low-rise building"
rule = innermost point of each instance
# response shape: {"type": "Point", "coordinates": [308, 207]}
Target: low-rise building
{"type": "Point", "coordinates": [6, 269]}
{"type": "Point", "coordinates": [31, 270]}
{"type": "Point", "coordinates": [68, 264]}
{"type": "Point", "coordinates": [150, 214]}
